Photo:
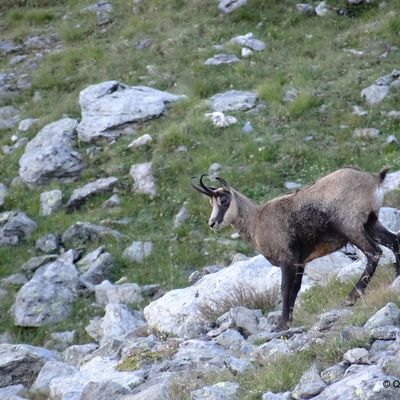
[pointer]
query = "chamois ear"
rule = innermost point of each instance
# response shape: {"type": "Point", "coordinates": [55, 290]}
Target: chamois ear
{"type": "Point", "coordinates": [202, 188]}
{"type": "Point", "coordinates": [224, 183]}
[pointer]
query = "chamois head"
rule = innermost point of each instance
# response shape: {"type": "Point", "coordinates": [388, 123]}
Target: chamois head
{"type": "Point", "coordinates": [222, 200]}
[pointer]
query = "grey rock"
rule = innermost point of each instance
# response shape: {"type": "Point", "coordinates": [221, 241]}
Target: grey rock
{"type": "Point", "coordinates": [21, 363]}
{"type": "Point", "coordinates": [96, 266]}
{"type": "Point", "coordinates": [8, 86]}
{"type": "Point", "coordinates": [83, 233]}
{"type": "Point", "coordinates": [40, 42]}
{"type": "Point", "coordinates": [239, 366]}
{"type": "Point", "coordinates": [179, 311]}
{"type": "Point", "coordinates": [34, 263]}
{"type": "Point", "coordinates": [390, 218]}
{"type": "Point", "coordinates": [26, 124]}
{"type": "Point", "coordinates": [356, 356]}
{"type": "Point", "coordinates": [144, 44]}
{"type": "Point", "coordinates": [322, 9]}
{"type": "Point", "coordinates": [104, 391]}
{"type": "Point", "coordinates": [219, 391]}
{"type": "Point", "coordinates": [374, 94]}
{"type": "Point", "coordinates": [214, 170]}
{"type": "Point", "coordinates": [219, 59]}
{"type": "Point", "coordinates": [245, 320]}
{"type": "Point", "coordinates": [18, 144]}
{"type": "Point", "coordinates": [387, 315]}
{"type": "Point", "coordinates": [14, 281]}
{"type": "Point", "coordinates": [50, 202]}
{"type": "Point", "coordinates": [109, 106]}
{"type": "Point", "coordinates": [394, 115]}
{"type": "Point", "coordinates": [290, 95]}
{"type": "Point", "coordinates": [50, 154]}
{"type": "Point", "coordinates": [156, 391]}
{"type": "Point", "coordinates": [396, 285]}
{"type": "Point", "coordinates": [335, 373]}
{"type": "Point", "coordinates": [233, 341]}
{"type": "Point", "coordinates": [181, 217]}
{"type": "Point", "coordinates": [117, 322]}
{"type": "Point", "coordinates": [310, 384]}
{"type": "Point", "coordinates": [50, 371]}
{"type": "Point", "coordinates": [227, 6]}
{"type": "Point", "coordinates": [233, 100]}
{"type": "Point", "coordinates": [48, 296]}
{"type": "Point", "coordinates": [292, 185]}
{"type": "Point", "coordinates": [350, 332]}
{"type": "Point", "coordinates": [80, 195]}
{"type": "Point", "coordinates": [141, 141]}
{"type": "Point", "coordinates": [127, 293]}
{"type": "Point", "coordinates": [249, 41]}
{"type": "Point", "coordinates": [60, 340]}
{"type": "Point", "coordinates": [248, 127]}
{"type": "Point", "coordinates": [387, 332]}
{"type": "Point", "coordinates": [101, 6]}
{"type": "Point", "coordinates": [49, 244]}
{"type": "Point", "coordinates": [78, 354]}
{"type": "Point", "coordinates": [365, 382]}
{"type": "Point", "coordinates": [277, 396]}
{"type": "Point", "coordinates": [15, 226]}
{"type": "Point", "coordinates": [113, 202]}
{"type": "Point", "coordinates": [3, 194]}
{"type": "Point", "coordinates": [360, 112]}
{"type": "Point", "coordinates": [144, 182]}
{"type": "Point", "coordinates": [328, 319]}
{"type": "Point", "coordinates": [9, 117]}
{"type": "Point", "coordinates": [138, 251]}
{"type": "Point", "coordinates": [366, 133]}
{"type": "Point", "coordinates": [7, 47]}
{"type": "Point", "coordinates": [6, 336]}
{"type": "Point", "coordinates": [307, 9]}
{"type": "Point", "coordinates": [99, 369]}
{"type": "Point", "coordinates": [12, 392]}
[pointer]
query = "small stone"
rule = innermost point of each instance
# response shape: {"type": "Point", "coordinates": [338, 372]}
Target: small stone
{"type": "Point", "coordinates": [356, 356]}
{"type": "Point", "coordinates": [292, 185]}
{"type": "Point", "coordinates": [3, 194]}
{"type": "Point", "coordinates": [219, 59]}
{"type": "Point", "coordinates": [14, 227]}
{"type": "Point", "coordinates": [9, 117]}
{"type": "Point", "coordinates": [26, 124]}
{"type": "Point", "coordinates": [112, 202]}
{"type": "Point", "coordinates": [248, 127]}
{"type": "Point", "coordinates": [290, 95]}
{"type": "Point", "coordinates": [310, 384]}
{"type": "Point", "coordinates": [366, 133]}
{"type": "Point", "coordinates": [214, 170]}
{"type": "Point", "coordinates": [277, 396]}
{"type": "Point", "coordinates": [374, 94]}
{"type": "Point", "coordinates": [246, 52]}
{"type": "Point", "coordinates": [391, 139]}
{"type": "Point", "coordinates": [219, 391]}
{"type": "Point", "coordinates": [181, 217]}
{"type": "Point", "coordinates": [396, 285]}
{"type": "Point", "coordinates": [359, 111]}
{"type": "Point", "coordinates": [138, 251]}
{"type": "Point", "coordinates": [394, 115]}
{"type": "Point", "coordinates": [233, 100]}
{"type": "Point", "coordinates": [49, 243]}
{"type": "Point", "coordinates": [227, 6]}
{"type": "Point", "coordinates": [143, 178]}
{"type": "Point", "coordinates": [141, 141]}
{"type": "Point", "coordinates": [307, 9]}
{"type": "Point", "coordinates": [221, 120]}
{"type": "Point", "coordinates": [249, 41]}
{"type": "Point", "coordinates": [50, 202]}
{"type": "Point", "coordinates": [335, 373]}
{"type": "Point", "coordinates": [354, 52]}
{"type": "Point", "coordinates": [387, 315]}
{"type": "Point", "coordinates": [322, 9]}
{"type": "Point", "coordinates": [14, 281]}
{"type": "Point", "coordinates": [127, 293]}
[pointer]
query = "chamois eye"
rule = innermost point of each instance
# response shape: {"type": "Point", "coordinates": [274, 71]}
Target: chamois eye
{"type": "Point", "coordinates": [224, 201]}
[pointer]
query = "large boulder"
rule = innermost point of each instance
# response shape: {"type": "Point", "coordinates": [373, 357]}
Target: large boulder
{"type": "Point", "coordinates": [48, 296]}
{"type": "Point", "coordinates": [21, 363]}
{"type": "Point", "coordinates": [50, 154]}
{"type": "Point", "coordinates": [108, 107]}
{"type": "Point", "coordinates": [14, 227]}
{"type": "Point", "coordinates": [183, 312]}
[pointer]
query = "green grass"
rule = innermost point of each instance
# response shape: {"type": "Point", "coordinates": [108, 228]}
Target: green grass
{"type": "Point", "coordinates": [258, 164]}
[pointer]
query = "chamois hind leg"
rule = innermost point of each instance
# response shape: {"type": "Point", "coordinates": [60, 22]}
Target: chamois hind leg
{"type": "Point", "coordinates": [372, 251]}
{"type": "Point", "coordinates": [295, 289]}
{"type": "Point", "coordinates": [384, 237]}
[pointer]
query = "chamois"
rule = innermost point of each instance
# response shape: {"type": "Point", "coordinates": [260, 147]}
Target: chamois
{"type": "Point", "coordinates": [295, 228]}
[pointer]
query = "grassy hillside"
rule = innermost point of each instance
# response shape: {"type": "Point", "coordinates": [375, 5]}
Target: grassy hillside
{"type": "Point", "coordinates": [296, 141]}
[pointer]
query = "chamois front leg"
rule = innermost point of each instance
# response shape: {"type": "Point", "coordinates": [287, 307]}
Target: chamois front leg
{"type": "Point", "coordinates": [287, 288]}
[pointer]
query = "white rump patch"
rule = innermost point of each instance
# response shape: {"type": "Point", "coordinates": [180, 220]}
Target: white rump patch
{"type": "Point", "coordinates": [377, 199]}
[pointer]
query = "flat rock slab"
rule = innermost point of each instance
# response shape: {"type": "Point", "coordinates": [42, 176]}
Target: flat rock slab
{"type": "Point", "coordinates": [80, 195]}
{"type": "Point", "coordinates": [109, 106]}
{"type": "Point", "coordinates": [233, 100]}
{"type": "Point", "coordinates": [20, 363]}
{"type": "Point", "coordinates": [50, 154]}
{"type": "Point", "coordinates": [15, 226]}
